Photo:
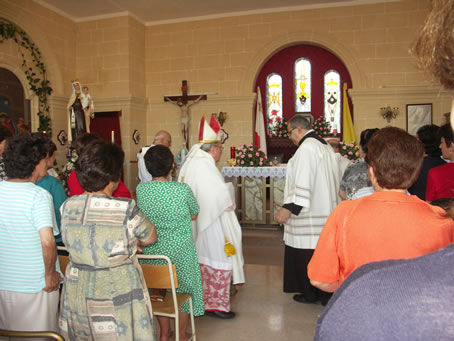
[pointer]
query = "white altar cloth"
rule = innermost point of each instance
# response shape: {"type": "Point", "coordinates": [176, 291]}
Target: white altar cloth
{"type": "Point", "coordinates": [255, 172]}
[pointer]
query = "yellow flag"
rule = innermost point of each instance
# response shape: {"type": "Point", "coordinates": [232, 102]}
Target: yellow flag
{"type": "Point", "coordinates": [349, 130]}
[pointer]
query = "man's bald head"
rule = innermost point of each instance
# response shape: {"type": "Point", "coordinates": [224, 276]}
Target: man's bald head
{"type": "Point", "coordinates": [163, 137]}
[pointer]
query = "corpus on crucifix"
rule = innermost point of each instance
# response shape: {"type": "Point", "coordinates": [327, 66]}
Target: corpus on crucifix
{"type": "Point", "coordinates": [184, 102]}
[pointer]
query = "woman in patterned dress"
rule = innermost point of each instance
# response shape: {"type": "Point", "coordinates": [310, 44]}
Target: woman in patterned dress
{"type": "Point", "coordinates": [171, 206]}
{"type": "Point", "coordinates": [104, 294]}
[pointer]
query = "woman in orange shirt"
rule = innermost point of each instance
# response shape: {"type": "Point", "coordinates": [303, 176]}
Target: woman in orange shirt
{"type": "Point", "coordinates": [389, 224]}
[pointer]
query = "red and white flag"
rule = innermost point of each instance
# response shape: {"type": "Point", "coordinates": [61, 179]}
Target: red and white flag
{"type": "Point", "coordinates": [260, 134]}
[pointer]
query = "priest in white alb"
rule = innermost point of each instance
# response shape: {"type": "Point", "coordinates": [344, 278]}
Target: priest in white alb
{"type": "Point", "coordinates": [217, 233]}
{"type": "Point", "coordinates": [310, 194]}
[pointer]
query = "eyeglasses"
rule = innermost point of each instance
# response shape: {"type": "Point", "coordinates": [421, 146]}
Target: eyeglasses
{"type": "Point", "coordinates": [290, 131]}
{"type": "Point", "coordinates": [220, 147]}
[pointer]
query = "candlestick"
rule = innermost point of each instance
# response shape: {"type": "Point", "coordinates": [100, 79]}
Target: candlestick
{"type": "Point", "coordinates": [232, 152]}
{"type": "Point", "coordinates": [113, 136]}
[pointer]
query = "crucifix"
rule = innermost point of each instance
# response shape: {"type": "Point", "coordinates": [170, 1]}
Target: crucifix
{"type": "Point", "coordinates": [184, 102]}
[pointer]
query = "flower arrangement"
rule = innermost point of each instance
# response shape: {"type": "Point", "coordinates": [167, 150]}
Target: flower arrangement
{"type": "Point", "coordinates": [349, 151]}
{"type": "Point", "coordinates": [67, 168]}
{"type": "Point", "coordinates": [321, 127]}
{"type": "Point", "coordinates": [250, 156]}
{"type": "Point", "coordinates": [279, 129]}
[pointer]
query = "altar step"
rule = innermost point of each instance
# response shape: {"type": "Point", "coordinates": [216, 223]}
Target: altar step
{"type": "Point", "coordinates": [263, 246]}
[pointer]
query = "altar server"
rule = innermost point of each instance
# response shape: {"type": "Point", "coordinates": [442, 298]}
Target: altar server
{"type": "Point", "coordinates": [310, 194]}
{"type": "Point", "coordinates": [216, 230]}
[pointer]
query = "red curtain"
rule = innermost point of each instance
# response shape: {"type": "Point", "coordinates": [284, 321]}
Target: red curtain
{"type": "Point", "coordinates": [105, 123]}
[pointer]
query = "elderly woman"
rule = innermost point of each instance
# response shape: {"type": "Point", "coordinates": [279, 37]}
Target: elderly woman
{"type": "Point", "coordinates": [389, 224]}
{"type": "Point", "coordinates": [171, 206]}
{"type": "Point", "coordinates": [53, 185]}
{"type": "Point", "coordinates": [355, 181]}
{"type": "Point", "coordinates": [104, 295]}
{"type": "Point", "coordinates": [29, 279]}
{"type": "Point", "coordinates": [73, 183]}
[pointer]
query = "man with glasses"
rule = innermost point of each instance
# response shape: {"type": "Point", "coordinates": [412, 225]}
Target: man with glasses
{"type": "Point", "coordinates": [310, 194]}
{"type": "Point", "coordinates": [216, 228]}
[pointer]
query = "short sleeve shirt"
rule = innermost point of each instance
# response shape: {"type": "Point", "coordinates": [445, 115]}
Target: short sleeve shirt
{"type": "Point", "coordinates": [25, 209]}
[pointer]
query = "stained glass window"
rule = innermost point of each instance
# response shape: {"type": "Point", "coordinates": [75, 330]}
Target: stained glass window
{"type": "Point", "coordinates": [332, 100]}
{"type": "Point", "coordinates": [302, 85]}
{"type": "Point", "coordinates": [273, 99]}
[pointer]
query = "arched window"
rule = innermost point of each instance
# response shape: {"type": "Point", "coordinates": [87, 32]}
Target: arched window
{"type": "Point", "coordinates": [332, 100]}
{"type": "Point", "coordinates": [303, 69]}
{"type": "Point", "coordinates": [303, 81]}
{"type": "Point", "coordinates": [273, 99]}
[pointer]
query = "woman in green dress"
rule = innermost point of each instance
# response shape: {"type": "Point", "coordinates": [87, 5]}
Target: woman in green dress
{"type": "Point", "coordinates": [171, 206]}
{"type": "Point", "coordinates": [104, 294]}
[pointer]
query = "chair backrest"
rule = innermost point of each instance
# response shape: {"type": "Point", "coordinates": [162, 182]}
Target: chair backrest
{"type": "Point", "coordinates": [63, 260]}
{"type": "Point", "coordinates": [159, 276]}
{"type": "Point", "coordinates": [31, 335]}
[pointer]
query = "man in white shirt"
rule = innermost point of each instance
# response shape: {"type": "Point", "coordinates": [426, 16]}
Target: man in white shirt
{"type": "Point", "coordinates": [162, 137]}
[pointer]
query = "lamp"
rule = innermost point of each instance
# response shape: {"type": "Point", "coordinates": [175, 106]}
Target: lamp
{"type": "Point", "coordinates": [389, 113]}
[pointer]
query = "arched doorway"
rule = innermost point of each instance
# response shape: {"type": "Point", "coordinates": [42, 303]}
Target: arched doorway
{"type": "Point", "coordinates": [14, 108]}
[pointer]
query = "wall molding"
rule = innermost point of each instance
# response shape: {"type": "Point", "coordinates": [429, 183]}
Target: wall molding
{"type": "Point", "coordinates": [399, 94]}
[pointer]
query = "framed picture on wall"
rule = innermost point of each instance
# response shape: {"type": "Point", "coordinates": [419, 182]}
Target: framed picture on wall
{"type": "Point", "coordinates": [418, 115]}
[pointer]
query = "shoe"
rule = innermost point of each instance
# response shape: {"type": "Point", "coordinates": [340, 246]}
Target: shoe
{"type": "Point", "coordinates": [220, 314]}
{"type": "Point", "coordinates": [301, 299]}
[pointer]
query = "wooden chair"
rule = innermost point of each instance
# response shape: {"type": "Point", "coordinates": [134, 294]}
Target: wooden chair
{"type": "Point", "coordinates": [165, 277]}
{"type": "Point", "coordinates": [63, 260]}
{"type": "Point", "coordinates": [31, 335]}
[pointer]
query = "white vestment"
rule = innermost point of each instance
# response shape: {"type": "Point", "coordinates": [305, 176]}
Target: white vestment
{"type": "Point", "coordinates": [143, 173]}
{"type": "Point", "coordinates": [312, 182]}
{"type": "Point", "coordinates": [216, 220]}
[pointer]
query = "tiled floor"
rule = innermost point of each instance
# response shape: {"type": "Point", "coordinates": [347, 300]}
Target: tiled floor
{"type": "Point", "coordinates": [264, 311]}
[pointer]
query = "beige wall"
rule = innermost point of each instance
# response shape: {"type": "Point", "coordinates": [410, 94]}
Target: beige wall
{"type": "Point", "coordinates": [131, 67]}
{"type": "Point", "coordinates": [56, 37]}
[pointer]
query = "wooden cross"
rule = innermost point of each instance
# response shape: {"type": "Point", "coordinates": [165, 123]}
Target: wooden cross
{"type": "Point", "coordinates": [184, 102]}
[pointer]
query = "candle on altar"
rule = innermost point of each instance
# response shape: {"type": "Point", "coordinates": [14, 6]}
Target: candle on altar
{"type": "Point", "coordinates": [113, 136]}
{"type": "Point", "coordinates": [232, 152]}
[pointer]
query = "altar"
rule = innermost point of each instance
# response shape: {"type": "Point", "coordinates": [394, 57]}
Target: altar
{"type": "Point", "coordinates": [259, 193]}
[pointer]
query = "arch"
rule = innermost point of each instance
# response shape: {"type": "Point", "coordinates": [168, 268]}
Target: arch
{"type": "Point", "coordinates": [28, 94]}
{"type": "Point", "coordinates": [54, 74]}
{"type": "Point", "coordinates": [19, 73]}
{"type": "Point", "coordinates": [13, 100]}
{"type": "Point", "coordinates": [313, 37]}
{"type": "Point", "coordinates": [38, 37]}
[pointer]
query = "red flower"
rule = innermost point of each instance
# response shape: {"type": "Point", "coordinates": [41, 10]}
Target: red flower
{"type": "Point", "coordinates": [270, 121]}
{"type": "Point", "coordinates": [274, 112]}
{"type": "Point", "coordinates": [278, 119]}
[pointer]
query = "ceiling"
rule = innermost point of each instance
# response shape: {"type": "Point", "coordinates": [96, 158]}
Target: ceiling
{"type": "Point", "coordinates": [152, 12]}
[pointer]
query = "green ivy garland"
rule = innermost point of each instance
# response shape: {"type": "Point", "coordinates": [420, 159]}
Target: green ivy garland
{"type": "Point", "coordinates": [35, 73]}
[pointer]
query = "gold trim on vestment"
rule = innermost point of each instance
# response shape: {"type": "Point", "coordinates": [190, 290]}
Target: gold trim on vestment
{"type": "Point", "coordinates": [209, 141]}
